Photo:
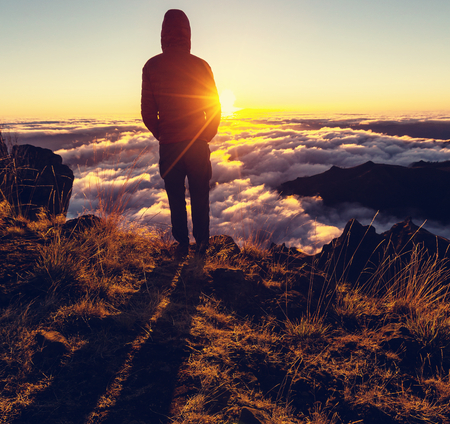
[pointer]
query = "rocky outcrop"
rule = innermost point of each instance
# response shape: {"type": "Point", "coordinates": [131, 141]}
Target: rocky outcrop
{"type": "Point", "coordinates": [52, 345]}
{"type": "Point", "coordinates": [32, 178]}
{"type": "Point", "coordinates": [253, 416]}
{"type": "Point", "coordinates": [79, 225]}
{"type": "Point", "coordinates": [359, 251]}
{"type": "Point", "coordinates": [421, 190]}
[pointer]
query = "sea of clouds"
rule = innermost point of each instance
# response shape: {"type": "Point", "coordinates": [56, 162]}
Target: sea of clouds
{"type": "Point", "coordinates": [115, 163]}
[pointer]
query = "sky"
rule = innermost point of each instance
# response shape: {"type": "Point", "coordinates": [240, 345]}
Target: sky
{"type": "Point", "coordinates": [67, 59]}
{"type": "Point", "coordinates": [117, 161]}
{"type": "Point", "coordinates": [299, 70]}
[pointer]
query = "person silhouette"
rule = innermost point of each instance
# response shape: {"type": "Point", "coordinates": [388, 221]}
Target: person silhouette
{"type": "Point", "coordinates": [180, 106]}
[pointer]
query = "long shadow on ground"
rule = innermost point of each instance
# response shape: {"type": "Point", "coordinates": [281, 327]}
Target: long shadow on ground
{"type": "Point", "coordinates": [148, 392]}
{"type": "Point", "coordinates": [134, 375]}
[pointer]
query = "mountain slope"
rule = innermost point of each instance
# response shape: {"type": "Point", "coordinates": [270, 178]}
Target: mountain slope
{"type": "Point", "coordinates": [101, 323]}
{"type": "Point", "coordinates": [422, 192]}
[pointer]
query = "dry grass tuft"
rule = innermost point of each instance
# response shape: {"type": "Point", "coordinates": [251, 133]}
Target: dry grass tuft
{"type": "Point", "coordinates": [101, 323]}
{"type": "Point", "coordinates": [307, 328]}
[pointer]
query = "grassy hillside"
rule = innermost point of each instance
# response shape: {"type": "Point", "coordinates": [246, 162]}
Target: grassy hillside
{"type": "Point", "coordinates": [101, 323]}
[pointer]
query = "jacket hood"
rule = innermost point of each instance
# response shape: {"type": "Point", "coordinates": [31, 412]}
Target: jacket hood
{"type": "Point", "coordinates": [176, 30]}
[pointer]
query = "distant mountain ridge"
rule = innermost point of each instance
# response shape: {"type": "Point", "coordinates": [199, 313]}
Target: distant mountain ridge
{"type": "Point", "coordinates": [421, 190]}
{"type": "Point", "coordinates": [434, 129]}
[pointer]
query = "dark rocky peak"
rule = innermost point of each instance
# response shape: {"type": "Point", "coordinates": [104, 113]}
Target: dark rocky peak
{"type": "Point", "coordinates": [360, 250]}
{"type": "Point", "coordinates": [402, 237]}
{"type": "Point", "coordinates": [33, 178]}
{"type": "Point", "coordinates": [422, 192]}
{"type": "Point", "coordinates": [349, 254]}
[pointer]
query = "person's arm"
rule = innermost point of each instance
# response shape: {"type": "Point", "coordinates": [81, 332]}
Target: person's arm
{"type": "Point", "coordinates": [149, 107]}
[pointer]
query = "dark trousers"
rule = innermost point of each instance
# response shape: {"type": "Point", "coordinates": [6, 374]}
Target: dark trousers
{"type": "Point", "coordinates": [174, 167]}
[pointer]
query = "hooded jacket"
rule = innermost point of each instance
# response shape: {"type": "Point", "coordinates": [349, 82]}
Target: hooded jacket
{"type": "Point", "coordinates": [179, 99]}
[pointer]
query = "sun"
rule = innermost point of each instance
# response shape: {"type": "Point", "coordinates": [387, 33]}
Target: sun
{"type": "Point", "coordinates": [227, 99]}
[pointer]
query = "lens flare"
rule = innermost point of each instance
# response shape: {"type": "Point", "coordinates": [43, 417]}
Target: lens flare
{"type": "Point", "coordinates": [227, 99]}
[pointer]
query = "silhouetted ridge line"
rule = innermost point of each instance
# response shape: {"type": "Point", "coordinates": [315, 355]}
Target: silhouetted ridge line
{"type": "Point", "coordinates": [421, 191]}
{"type": "Point", "coordinates": [431, 129]}
{"type": "Point", "coordinates": [357, 253]}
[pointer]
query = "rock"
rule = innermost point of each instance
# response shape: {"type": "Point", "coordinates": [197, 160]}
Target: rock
{"type": "Point", "coordinates": [402, 237]}
{"type": "Point", "coordinates": [3, 148]}
{"type": "Point", "coordinates": [223, 245]}
{"type": "Point", "coordinates": [359, 250]}
{"type": "Point", "coordinates": [80, 224]}
{"type": "Point", "coordinates": [53, 339]}
{"type": "Point", "coordinates": [32, 178]}
{"type": "Point", "coordinates": [356, 249]}
{"type": "Point", "coordinates": [287, 255]}
{"type": "Point", "coordinates": [252, 416]}
{"type": "Point", "coordinates": [52, 345]}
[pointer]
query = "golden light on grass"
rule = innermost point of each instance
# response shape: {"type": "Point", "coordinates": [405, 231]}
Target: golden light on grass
{"type": "Point", "coordinates": [253, 333]}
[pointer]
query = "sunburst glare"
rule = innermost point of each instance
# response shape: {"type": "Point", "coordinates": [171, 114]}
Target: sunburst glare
{"type": "Point", "coordinates": [227, 99]}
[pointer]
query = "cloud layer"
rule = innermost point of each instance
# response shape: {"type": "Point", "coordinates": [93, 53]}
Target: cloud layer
{"type": "Point", "coordinates": [116, 163]}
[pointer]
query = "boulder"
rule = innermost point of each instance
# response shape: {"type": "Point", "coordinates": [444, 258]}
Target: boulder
{"type": "Point", "coordinates": [223, 246]}
{"type": "Point", "coordinates": [252, 416]}
{"type": "Point", "coordinates": [51, 346]}
{"type": "Point", "coordinates": [78, 225]}
{"type": "Point", "coordinates": [3, 148]}
{"type": "Point", "coordinates": [32, 178]}
{"type": "Point", "coordinates": [359, 250]}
